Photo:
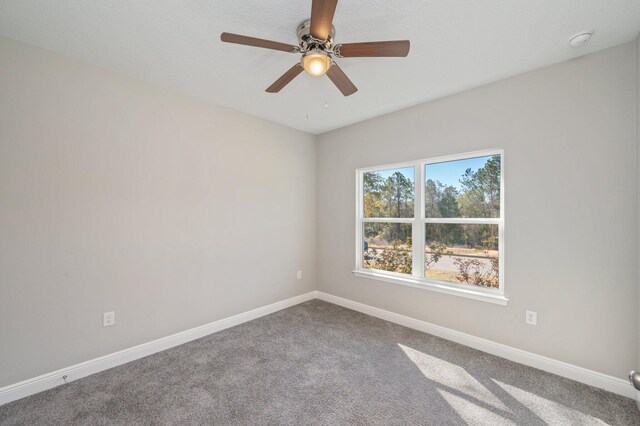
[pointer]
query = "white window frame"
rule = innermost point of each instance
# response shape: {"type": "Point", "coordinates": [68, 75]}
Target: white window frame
{"type": "Point", "coordinates": [418, 221]}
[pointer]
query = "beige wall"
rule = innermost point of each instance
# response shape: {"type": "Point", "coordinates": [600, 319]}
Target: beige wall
{"type": "Point", "coordinates": [571, 170]}
{"type": "Point", "coordinates": [118, 195]}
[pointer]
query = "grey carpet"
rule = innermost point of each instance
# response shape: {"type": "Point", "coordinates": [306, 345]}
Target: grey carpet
{"type": "Point", "coordinates": [318, 363]}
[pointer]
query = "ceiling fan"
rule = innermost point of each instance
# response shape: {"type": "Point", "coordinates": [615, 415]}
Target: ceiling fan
{"type": "Point", "coordinates": [315, 43]}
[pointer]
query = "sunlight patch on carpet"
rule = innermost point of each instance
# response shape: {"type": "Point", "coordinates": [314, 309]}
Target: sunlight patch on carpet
{"type": "Point", "coordinates": [471, 413]}
{"type": "Point", "coordinates": [453, 376]}
{"type": "Point", "coordinates": [551, 412]}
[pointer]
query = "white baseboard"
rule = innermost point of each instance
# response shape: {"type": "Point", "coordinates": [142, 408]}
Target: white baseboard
{"type": "Point", "coordinates": [74, 372]}
{"type": "Point", "coordinates": [579, 374]}
{"type": "Point", "coordinates": [56, 378]}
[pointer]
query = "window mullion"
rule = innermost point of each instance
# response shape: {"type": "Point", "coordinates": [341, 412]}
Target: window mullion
{"type": "Point", "coordinates": [359, 223]}
{"type": "Point", "coordinates": [417, 234]}
{"type": "Point", "coordinates": [388, 220]}
{"type": "Point", "coordinates": [464, 220]}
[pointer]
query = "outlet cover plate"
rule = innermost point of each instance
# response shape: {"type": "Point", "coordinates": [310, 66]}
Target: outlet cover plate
{"type": "Point", "coordinates": [531, 318]}
{"type": "Point", "coordinates": [108, 319]}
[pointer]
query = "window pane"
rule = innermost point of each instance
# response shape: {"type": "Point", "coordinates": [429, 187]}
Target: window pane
{"type": "Point", "coordinates": [388, 193]}
{"type": "Point", "coordinates": [463, 188]}
{"type": "Point", "coordinates": [387, 246]}
{"type": "Point", "coordinates": [462, 253]}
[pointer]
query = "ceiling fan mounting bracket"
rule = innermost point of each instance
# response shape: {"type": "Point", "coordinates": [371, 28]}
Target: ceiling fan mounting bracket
{"type": "Point", "coordinates": [308, 43]}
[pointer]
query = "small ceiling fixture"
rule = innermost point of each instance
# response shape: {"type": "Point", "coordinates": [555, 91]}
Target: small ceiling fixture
{"type": "Point", "coordinates": [315, 43]}
{"type": "Point", "coordinates": [580, 39]}
{"type": "Point", "coordinates": [316, 62]}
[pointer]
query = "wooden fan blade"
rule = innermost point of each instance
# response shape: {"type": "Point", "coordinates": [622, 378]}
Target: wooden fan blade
{"type": "Point", "coordinates": [321, 18]}
{"type": "Point", "coordinates": [341, 80]}
{"type": "Point", "coordinates": [285, 78]}
{"type": "Point", "coordinates": [257, 42]}
{"type": "Point", "coordinates": [373, 49]}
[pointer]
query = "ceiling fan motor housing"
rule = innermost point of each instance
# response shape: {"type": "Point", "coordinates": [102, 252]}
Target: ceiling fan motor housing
{"type": "Point", "coordinates": [308, 43]}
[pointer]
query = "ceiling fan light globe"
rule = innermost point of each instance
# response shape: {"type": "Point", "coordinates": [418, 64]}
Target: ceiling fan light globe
{"type": "Point", "coordinates": [316, 64]}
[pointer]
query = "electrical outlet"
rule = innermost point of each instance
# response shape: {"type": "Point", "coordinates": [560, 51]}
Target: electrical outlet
{"type": "Point", "coordinates": [299, 275]}
{"type": "Point", "coordinates": [108, 318]}
{"type": "Point", "coordinates": [532, 318]}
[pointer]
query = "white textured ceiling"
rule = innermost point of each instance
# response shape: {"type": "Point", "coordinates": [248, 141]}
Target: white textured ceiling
{"type": "Point", "coordinates": [455, 45]}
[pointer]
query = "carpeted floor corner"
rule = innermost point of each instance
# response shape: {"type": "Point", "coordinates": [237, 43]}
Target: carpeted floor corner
{"type": "Point", "coordinates": [321, 364]}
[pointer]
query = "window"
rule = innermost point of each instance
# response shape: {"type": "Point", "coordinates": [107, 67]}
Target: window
{"type": "Point", "coordinates": [436, 224]}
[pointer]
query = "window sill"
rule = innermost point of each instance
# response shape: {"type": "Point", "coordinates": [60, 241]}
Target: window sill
{"type": "Point", "coordinates": [470, 293]}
